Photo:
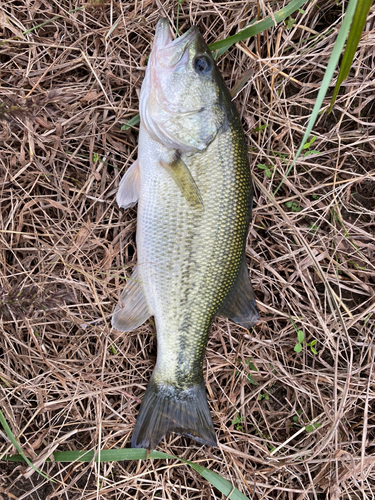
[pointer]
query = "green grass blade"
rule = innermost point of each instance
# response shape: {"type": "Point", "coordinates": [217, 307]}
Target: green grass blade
{"type": "Point", "coordinates": [258, 27]}
{"type": "Point", "coordinates": [117, 455]}
{"type": "Point", "coordinates": [179, 2]}
{"type": "Point", "coordinates": [218, 482]}
{"type": "Point", "coordinates": [332, 63]}
{"type": "Point", "coordinates": [14, 442]}
{"type": "Point", "coordinates": [356, 29]}
{"type": "Point", "coordinates": [131, 123]}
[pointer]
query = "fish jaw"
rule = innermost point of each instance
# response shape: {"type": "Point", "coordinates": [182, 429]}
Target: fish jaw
{"type": "Point", "coordinates": [163, 42]}
{"type": "Point", "coordinates": [162, 35]}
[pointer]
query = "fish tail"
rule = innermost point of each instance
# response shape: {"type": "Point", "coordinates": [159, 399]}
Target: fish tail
{"type": "Point", "coordinates": [166, 408]}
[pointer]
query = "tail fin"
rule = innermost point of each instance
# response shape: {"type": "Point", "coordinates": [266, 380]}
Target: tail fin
{"type": "Point", "coordinates": [166, 408]}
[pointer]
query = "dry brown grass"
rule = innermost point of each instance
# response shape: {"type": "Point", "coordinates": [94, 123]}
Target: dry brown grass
{"type": "Point", "coordinates": [66, 380]}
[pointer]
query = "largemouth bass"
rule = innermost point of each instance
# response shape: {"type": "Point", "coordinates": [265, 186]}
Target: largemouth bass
{"type": "Point", "coordinates": [193, 187]}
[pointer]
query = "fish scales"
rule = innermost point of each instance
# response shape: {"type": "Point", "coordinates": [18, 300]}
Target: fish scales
{"type": "Point", "coordinates": [194, 193]}
{"type": "Point", "coordinates": [195, 255]}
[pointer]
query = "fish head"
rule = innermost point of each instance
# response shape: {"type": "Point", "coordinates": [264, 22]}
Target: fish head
{"type": "Point", "coordinates": [182, 96]}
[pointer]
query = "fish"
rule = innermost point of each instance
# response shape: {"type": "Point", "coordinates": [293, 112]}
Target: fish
{"type": "Point", "coordinates": [193, 187]}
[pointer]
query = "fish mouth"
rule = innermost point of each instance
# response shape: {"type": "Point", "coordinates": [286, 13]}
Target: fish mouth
{"type": "Point", "coordinates": [162, 34]}
{"type": "Point", "coordinates": [171, 51]}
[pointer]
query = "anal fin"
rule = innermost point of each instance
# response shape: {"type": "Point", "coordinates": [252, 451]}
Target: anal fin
{"type": "Point", "coordinates": [180, 173]}
{"type": "Point", "coordinates": [240, 306]}
{"type": "Point", "coordinates": [128, 191]}
{"type": "Point", "coordinates": [132, 309]}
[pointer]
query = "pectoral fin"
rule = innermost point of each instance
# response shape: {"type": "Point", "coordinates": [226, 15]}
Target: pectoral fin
{"type": "Point", "coordinates": [132, 309]}
{"type": "Point", "coordinates": [240, 306]}
{"type": "Point", "coordinates": [180, 173]}
{"type": "Point", "coordinates": [128, 191]}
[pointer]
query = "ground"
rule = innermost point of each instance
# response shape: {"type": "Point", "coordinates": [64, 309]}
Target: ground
{"type": "Point", "coordinates": [290, 424]}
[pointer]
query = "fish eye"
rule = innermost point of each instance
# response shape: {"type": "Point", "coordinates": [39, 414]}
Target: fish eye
{"type": "Point", "coordinates": [202, 64]}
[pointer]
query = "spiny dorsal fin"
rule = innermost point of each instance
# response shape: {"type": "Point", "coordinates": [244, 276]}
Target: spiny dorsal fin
{"type": "Point", "coordinates": [180, 173]}
{"type": "Point", "coordinates": [240, 306]}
